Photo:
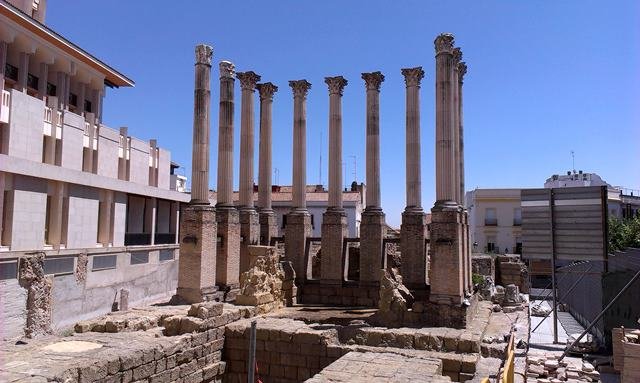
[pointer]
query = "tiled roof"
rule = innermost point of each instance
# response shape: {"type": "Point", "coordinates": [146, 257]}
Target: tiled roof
{"type": "Point", "coordinates": [285, 194]}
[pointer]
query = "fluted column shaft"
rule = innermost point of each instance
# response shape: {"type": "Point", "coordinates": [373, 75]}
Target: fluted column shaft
{"type": "Point", "coordinates": [225, 135]}
{"type": "Point", "coordinates": [201, 107]}
{"type": "Point", "coordinates": [248, 82]}
{"type": "Point", "coordinates": [336, 86]}
{"type": "Point", "coordinates": [300, 89]}
{"type": "Point", "coordinates": [462, 70]}
{"type": "Point", "coordinates": [373, 81]}
{"type": "Point", "coordinates": [264, 172]}
{"type": "Point", "coordinates": [457, 56]}
{"type": "Point", "coordinates": [412, 78]}
{"type": "Point", "coordinates": [445, 148]}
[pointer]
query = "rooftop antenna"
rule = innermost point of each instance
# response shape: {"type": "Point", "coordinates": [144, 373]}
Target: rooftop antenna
{"type": "Point", "coordinates": [320, 161]}
{"type": "Point", "coordinates": [573, 161]}
{"type": "Point", "coordinates": [276, 175]}
{"type": "Point", "coordinates": [355, 167]}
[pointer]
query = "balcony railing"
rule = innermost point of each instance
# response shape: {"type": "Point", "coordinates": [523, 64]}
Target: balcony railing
{"type": "Point", "coordinates": [6, 105]}
{"type": "Point", "coordinates": [491, 222]}
{"type": "Point", "coordinates": [165, 238]}
{"type": "Point", "coordinates": [137, 239]}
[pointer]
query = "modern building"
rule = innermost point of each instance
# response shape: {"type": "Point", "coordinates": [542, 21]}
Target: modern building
{"type": "Point", "coordinates": [317, 198]}
{"type": "Point", "coordinates": [84, 194]}
{"type": "Point", "coordinates": [495, 217]}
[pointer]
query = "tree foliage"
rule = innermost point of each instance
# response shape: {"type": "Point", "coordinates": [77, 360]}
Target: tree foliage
{"type": "Point", "coordinates": [624, 233]}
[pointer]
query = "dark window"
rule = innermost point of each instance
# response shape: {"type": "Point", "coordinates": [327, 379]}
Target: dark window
{"type": "Point", "coordinates": [284, 221]}
{"type": "Point", "coordinates": [8, 270]}
{"type": "Point", "coordinates": [139, 257]}
{"type": "Point", "coordinates": [313, 225]}
{"type": "Point", "coordinates": [491, 247]}
{"type": "Point", "coordinates": [51, 89]}
{"type": "Point", "coordinates": [103, 262]}
{"type": "Point", "coordinates": [518, 248]}
{"type": "Point", "coordinates": [59, 265]}
{"type": "Point", "coordinates": [166, 255]}
{"type": "Point", "coordinates": [73, 99]}
{"type": "Point", "coordinates": [87, 106]}
{"type": "Point", "coordinates": [11, 72]}
{"type": "Point", "coordinates": [32, 81]}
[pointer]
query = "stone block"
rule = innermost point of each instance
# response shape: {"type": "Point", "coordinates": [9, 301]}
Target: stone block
{"type": "Point", "coordinates": [334, 230]}
{"type": "Point", "coordinates": [413, 235]}
{"type": "Point", "coordinates": [205, 310]}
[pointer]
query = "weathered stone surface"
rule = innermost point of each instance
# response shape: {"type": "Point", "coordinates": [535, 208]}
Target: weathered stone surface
{"type": "Point", "coordinates": [205, 310]}
{"type": "Point", "coordinates": [31, 277]}
{"type": "Point", "coordinates": [395, 298]}
{"type": "Point", "coordinates": [262, 284]}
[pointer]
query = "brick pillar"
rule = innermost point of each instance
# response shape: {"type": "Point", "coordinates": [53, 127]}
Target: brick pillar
{"type": "Point", "coordinates": [197, 264]}
{"type": "Point", "coordinates": [334, 220]}
{"type": "Point", "coordinates": [372, 227]}
{"type": "Point", "coordinates": [298, 227]}
{"type": "Point", "coordinates": [413, 231]}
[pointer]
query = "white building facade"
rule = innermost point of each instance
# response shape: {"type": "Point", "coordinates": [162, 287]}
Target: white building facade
{"type": "Point", "coordinates": [71, 186]}
{"type": "Point", "coordinates": [495, 219]}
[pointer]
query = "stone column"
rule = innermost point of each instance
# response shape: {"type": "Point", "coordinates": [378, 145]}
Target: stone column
{"type": "Point", "coordinates": [334, 220]}
{"type": "Point", "coordinates": [462, 70]}
{"type": "Point", "coordinates": [249, 220]}
{"type": "Point", "coordinates": [298, 227]}
{"type": "Point", "coordinates": [457, 56]}
{"type": "Point", "coordinates": [448, 268]}
{"type": "Point", "coordinates": [413, 231]}
{"type": "Point", "coordinates": [372, 227]}
{"type": "Point", "coordinates": [228, 219]}
{"type": "Point", "coordinates": [268, 224]}
{"type": "Point", "coordinates": [197, 265]}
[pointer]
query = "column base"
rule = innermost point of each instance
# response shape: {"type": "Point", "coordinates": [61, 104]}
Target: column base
{"type": "Point", "coordinates": [447, 265]}
{"type": "Point", "coordinates": [268, 226]}
{"type": "Point", "coordinates": [228, 257]}
{"type": "Point", "coordinates": [372, 232]}
{"type": "Point", "coordinates": [297, 230]}
{"type": "Point", "coordinates": [413, 247]}
{"type": "Point", "coordinates": [334, 230]}
{"type": "Point", "coordinates": [197, 266]}
{"type": "Point", "coordinates": [249, 235]}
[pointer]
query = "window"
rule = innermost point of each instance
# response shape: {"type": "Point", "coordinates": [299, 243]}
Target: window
{"type": "Point", "coordinates": [490, 218]}
{"type": "Point", "coordinates": [51, 89]}
{"type": "Point", "coordinates": [87, 106]}
{"type": "Point", "coordinates": [104, 262]}
{"type": "Point", "coordinates": [139, 257]}
{"type": "Point", "coordinates": [517, 216]}
{"type": "Point", "coordinates": [73, 99]}
{"type": "Point", "coordinates": [284, 221]}
{"type": "Point", "coordinates": [313, 226]}
{"type": "Point", "coordinates": [11, 72]}
{"type": "Point", "coordinates": [491, 246]}
{"type": "Point", "coordinates": [32, 81]}
{"type": "Point", "coordinates": [7, 218]}
{"type": "Point", "coordinates": [166, 255]}
{"type": "Point", "coordinates": [8, 270]}
{"type": "Point", "coordinates": [518, 249]}
{"type": "Point", "coordinates": [47, 222]}
{"type": "Point", "coordinates": [59, 266]}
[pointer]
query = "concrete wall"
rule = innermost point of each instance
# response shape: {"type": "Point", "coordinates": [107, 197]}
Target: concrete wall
{"type": "Point", "coordinates": [164, 169]}
{"type": "Point", "coordinates": [26, 126]}
{"type": "Point", "coordinates": [83, 217]}
{"type": "Point", "coordinates": [108, 142]}
{"type": "Point", "coordinates": [135, 216]}
{"type": "Point", "coordinates": [13, 300]}
{"type": "Point", "coordinates": [29, 213]}
{"type": "Point", "coordinates": [147, 283]}
{"type": "Point", "coordinates": [164, 216]}
{"type": "Point", "coordinates": [72, 134]}
{"type": "Point", "coordinates": [139, 159]}
{"type": "Point", "coordinates": [119, 218]}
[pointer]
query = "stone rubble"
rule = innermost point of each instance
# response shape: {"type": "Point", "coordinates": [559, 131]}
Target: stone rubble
{"type": "Point", "coordinates": [547, 368]}
{"type": "Point", "coordinates": [262, 285]}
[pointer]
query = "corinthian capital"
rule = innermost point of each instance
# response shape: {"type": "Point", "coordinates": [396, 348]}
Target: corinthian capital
{"type": "Point", "coordinates": [444, 43]}
{"type": "Point", "coordinates": [300, 87]}
{"type": "Point", "coordinates": [227, 69]}
{"type": "Point", "coordinates": [457, 55]}
{"type": "Point", "coordinates": [462, 70]}
{"type": "Point", "coordinates": [373, 80]}
{"type": "Point", "coordinates": [248, 80]}
{"type": "Point", "coordinates": [413, 76]}
{"type": "Point", "coordinates": [266, 90]}
{"type": "Point", "coordinates": [336, 84]}
{"type": "Point", "coordinates": [204, 54]}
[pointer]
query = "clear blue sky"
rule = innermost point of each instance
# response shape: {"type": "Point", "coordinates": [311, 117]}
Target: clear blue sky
{"type": "Point", "coordinates": [545, 78]}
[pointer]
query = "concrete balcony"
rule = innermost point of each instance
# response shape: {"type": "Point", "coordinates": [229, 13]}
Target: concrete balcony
{"type": "Point", "coordinates": [49, 122]}
{"type": "Point", "coordinates": [90, 136]}
{"type": "Point", "coordinates": [5, 106]}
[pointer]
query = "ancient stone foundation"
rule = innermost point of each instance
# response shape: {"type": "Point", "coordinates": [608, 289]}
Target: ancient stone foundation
{"type": "Point", "coordinates": [249, 236]}
{"type": "Point", "coordinates": [228, 248]}
{"type": "Point", "coordinates": [32, 278]}
{"type": "Point", "coordinates": [334, 230]}
{"type": "Point", "coordinates": [372, 233]}
{"type": "Point", "coordinates": [346, 293]}
{"type": "Point", "coordinates": [297, 230]}
{"type": "Point", "coordinates": [413, 245]}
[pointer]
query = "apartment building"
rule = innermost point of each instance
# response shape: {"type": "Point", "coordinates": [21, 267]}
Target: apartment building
{"type": "Point", "coordinates": [495, 219]}
{"type": "Point", "coordinates": [71, 186]}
